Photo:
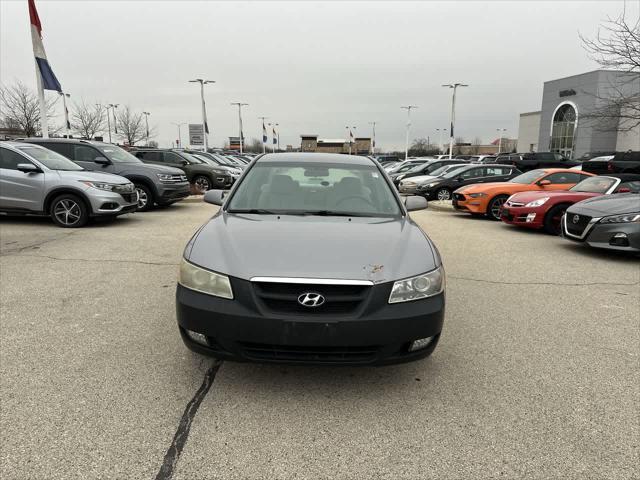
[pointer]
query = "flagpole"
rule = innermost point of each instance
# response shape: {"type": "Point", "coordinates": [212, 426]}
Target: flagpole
{"type": "Point", "coordinates": [66, 113]}
{"type": "Point", "coordinates": [264, 135]}
{"type": "Point", "coordinates": [44, 123]}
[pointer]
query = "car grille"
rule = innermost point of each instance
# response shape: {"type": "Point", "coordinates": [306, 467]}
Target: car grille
{"type": "Point", "coordinates": [283, 298]}
{"type": "Point", "coordinates": [458, 196]}
{"type": "Point", "coordinates": [288, 353]}
{"type": "Point", "coordinates": [175, 179]}
{"type": "Point", "coordinates": [130, 197]}
{"type": "Point", "coordinates": [514, 204]}
{"type": "Point", "coordinates": [576, 228]}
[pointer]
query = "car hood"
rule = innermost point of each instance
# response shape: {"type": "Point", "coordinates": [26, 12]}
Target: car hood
{"type": "Point", "coordinates": [376, 249]}
{"type": "Point", "coordinates": [128, 168]}
{"type": "Point", "coordinates": [555, 196]}
{"type": "Point", "coordinates": [90, 176]}
{"type": "Point", "coordinates": [608, 205]}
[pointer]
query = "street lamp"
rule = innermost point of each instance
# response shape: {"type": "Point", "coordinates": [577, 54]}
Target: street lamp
{"type": "Point", "coordinates": [240, 105]}
{"type": "Point", "coordinates": [205, 126]}
{"type": "Point", "coordinates": [179, 135]}
{"type": "Point", "coordinates": [113, 107]}
{"type": "Point", "coordinates": [278, 135]}
{"type": "Point", "coordinates": [351, 136]}
{"type": "Point", "coordinates": [454, 86]}
{"type": "Point", "coordinates": [406, 143]}
{"type": "Point", "coordinates": [373, 138]}
{"type": "Point", "coordinates": [500, 135]}
{"type": "Point", "coordinates": [66, 112]}
{"type": "Point", "coordinates": [146, 121]}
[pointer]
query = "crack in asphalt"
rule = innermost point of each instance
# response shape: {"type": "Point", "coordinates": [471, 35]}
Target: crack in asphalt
{"type": "Point", "coordinates": [557, 284]}
{"type": "Point", "coordinates": [99, 260]}
{"type": "Point", "coordinates": [184, 426]}
{"type": "Point", "coordinates": [34, 245]}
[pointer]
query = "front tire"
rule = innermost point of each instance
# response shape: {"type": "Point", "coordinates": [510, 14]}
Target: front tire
{"type": "Point", "coordinates": [552, 219]}
{"type": "Point", "coordinates": [493, 210]}
{"type": "Point", "coordinates": [145, 197]}
{"type": "Point", "coordinates": [443, 194]}
{"type": "Point", "coordinates": [69, 211]}
{"type": "Point", "coordinates": [202, 183]}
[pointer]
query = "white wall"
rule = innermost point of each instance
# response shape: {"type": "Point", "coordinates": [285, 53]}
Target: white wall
{"type": "Point", "coordinates": [629, 140]}
{"type": "Point", "coordinates": [528, 131]}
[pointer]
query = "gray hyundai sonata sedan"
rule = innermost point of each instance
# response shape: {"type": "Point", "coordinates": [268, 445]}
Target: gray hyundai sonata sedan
{"type": "Point", "coordinates": [312, 258]}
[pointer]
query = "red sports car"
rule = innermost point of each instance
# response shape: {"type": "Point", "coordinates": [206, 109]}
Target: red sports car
{"type": "Point", "coordinates": [545, 209]}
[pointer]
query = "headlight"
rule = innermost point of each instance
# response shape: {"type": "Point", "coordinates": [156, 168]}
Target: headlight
{"type": "Point", "coordinates": [204, 281]}
{"type": "Point", "coordinates": [537, 203]}
{"type": "Point", "coordinates": [422, 286]}
{"type": "Point", "coordinates": [433, 184]}
{"type": "Point", "coordinates": [163, 177]}
{"type": "Point", "coordinates": [477, 195]}
{"type": "Point", "coordinates": [100, 185]}
{"type": "Point", "coordinates": [624, 218]}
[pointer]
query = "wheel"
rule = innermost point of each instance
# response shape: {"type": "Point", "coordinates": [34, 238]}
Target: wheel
{"type": "Point", "coordinates": [443, 194]}
{"type": "Point", "coordinates": [202, 183]}
{"type": "Point", "coordinates": [552, 219]}
{"type": "Point", "coordinates": [69, 211]}
{"type": "Point", "coordinates": [145, 197]}
{"type": "Point", "coordinates": [493, 211]}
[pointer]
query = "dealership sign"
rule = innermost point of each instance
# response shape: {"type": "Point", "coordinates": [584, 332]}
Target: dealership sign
{"type": "Point", "coordinates": [196, 134]}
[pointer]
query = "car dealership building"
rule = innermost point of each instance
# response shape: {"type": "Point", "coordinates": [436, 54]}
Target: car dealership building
{"type": "Point", "coordinates": [561, 125]}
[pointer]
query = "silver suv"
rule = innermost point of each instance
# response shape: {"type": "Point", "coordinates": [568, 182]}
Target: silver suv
{"type": "Point", "coordinates": [35, 180]}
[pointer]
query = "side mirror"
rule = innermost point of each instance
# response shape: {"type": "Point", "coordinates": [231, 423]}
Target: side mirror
{"type": "Point", "coordinates": [544, 183]}
{"type": "Point", "coordinates": [28, 168]}
{"type": "Point", "coordinates": [184, 162]}
{"type": "Point", "coordinates": [414, 202]}
{"type": "Point", "coordinates": [102, 161]}
{"type": "Point", "coordinates": [214, 197]}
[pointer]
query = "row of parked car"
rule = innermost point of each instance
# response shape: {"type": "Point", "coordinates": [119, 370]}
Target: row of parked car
{"type": "Point", "coordinates": [600, 210]}
{"type": "Point", "coordinates": [72, 180]}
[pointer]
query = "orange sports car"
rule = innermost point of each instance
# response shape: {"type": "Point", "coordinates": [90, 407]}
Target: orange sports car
{"type": "Point", "coordinates": [487, 198]}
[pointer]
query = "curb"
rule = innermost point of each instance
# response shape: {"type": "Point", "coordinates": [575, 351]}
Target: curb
{"type": "Point", "coordinates": [440, 205]}
{"type": "Point", "coordinates": [192, 199]}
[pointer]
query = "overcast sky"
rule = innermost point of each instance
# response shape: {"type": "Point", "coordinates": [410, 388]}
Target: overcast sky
{"type": "Point", "coordinates": [311, 67]}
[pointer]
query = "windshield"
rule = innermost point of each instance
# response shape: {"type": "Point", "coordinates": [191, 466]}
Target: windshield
{"type": "Point", "coordinates": [117, 154]}
{"type": "Point", "coordinates": [594, 185]}
{"type": "Point", "coordinates": [528, 177]}
{"type": "Point", "coordinates": [50, 159]}
{"type": "Point", "coordinates": [191, 158]}
{"type": "Point", "coordinates": [455, 171]}
{"type": "Point", "coordinates": [320, 189]}
{"type": "Point", "coordinates": [438, 172]}
{"type": "Point", "coordinates": [416, 168]}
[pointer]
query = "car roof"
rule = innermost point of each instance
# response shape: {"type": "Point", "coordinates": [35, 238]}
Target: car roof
{"type": "Point", "coordinates": [314, 157]}
{"type": "Point", "coordinates": [64, 140]}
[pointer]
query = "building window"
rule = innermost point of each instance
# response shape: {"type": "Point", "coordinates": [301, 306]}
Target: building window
{"type": "Point", "coordinates": [563, 129]}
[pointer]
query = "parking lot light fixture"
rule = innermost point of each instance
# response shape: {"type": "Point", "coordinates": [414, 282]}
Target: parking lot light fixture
{"type": "Point", "coordinates": [406, 144]}
{"type": "Point", "coordinates": [146, 122]}
{"type": "Point", "coordinates": [179, 142]}
{"type": "Point", "coordinates": [453, 86]}
{"type": "Point", "coordinates": [501, 132]}
{"type": "Point", "coordinates": [372, 147]}
{"type": "Point", "coordinates": [240, 105]}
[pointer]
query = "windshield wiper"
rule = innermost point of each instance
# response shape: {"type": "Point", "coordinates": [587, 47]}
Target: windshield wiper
{"type": "Point", "coordinates": [259, 211]}
{"type": "Point", "coordinates": [332, 213]}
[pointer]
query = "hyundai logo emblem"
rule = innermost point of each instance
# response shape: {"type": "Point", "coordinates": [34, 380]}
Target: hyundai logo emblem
{"type": "Point", "coordinates": [575, 219]}
{"type": "Point", "coordinates": [310, 299]}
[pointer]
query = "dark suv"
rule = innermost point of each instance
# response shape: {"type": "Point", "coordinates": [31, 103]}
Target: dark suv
{"type": "Point", "coordinates": [155, 184]}
{"type": "Point", "coordinates": [201, 174]}
{"type": "Point", "coordinates": [533, 160]}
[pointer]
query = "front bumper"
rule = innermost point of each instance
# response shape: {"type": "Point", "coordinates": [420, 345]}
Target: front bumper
{"type": "Point", "coordinates": [105, 203]}
{"type": "Point", "coordinates": [522, 217]}
{"type": "Point", "coordinates": [173, 192]}
{"type": "Point", "coordinates": [471, 205]}
{"type": "Point", "coordinates": [243, 330]}
{"type": "Point", "coordinates": [623, 237]}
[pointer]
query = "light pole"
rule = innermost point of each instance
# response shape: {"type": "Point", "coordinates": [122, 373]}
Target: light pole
{"type": "Point", "coordinates": [278, 134]}
{"type": "Point", "coordinates": [179, 136]}
{"type": "Point", "coordinates": [205, 126]}
{"type": "Point", "coordinates": [373, 138]}
{"type": "Point", "coordinates": [112, 107]}
{"type": "Point", "coordinates": [406, 143]}
{"type": "Point", "coordinates": [146, 122]}
{"type": "Point", "coordinates": [453, 112]}
{"type": "Point", "coordinates": [66, 113]}
{"type": "Point", "coordinates": [264, 135]}
{"type": "Point", "coordinates": [500, 134]}
{"type": "Point", "coordinates": [240, 105]}
{"type": "Point", "coordinates": [441, 130]}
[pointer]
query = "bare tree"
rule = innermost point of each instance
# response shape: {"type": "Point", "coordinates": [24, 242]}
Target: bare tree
{"type": "Point", "coordinates": [88, 120]}
{"type": "Point", "coordinates": [20, 108]}
{"type": "Point", "coordinates": [131, 125]}
{"type": "Point", "coordinates": [617, 46]}
{"type": "Point", "coordinates": [253, 146]}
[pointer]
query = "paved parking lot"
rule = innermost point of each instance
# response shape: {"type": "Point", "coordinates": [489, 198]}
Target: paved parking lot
{"type": "Point", "coordinates": [536, 374]}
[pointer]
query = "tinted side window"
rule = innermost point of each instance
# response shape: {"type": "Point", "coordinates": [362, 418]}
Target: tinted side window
{"type": "Point", "coordinates": [10, 159]}
{"type": "Point", "coordinates": [173, 158]}
{"type": "Point", "coordinates": [150, 156]}
{"type": "Point", "coordinates": [65, 149]}
{"type": "Point", "coordinates": [494, 171]}
{"type": "Point", "coordinates": [633, 186]}
{"type": "Point", "coordinates": [472, 173]}
{"type": "Point", "coordinates": [433, 166]}
{"type": "Point", "coordinates": [83, 153]}
{"type": "Point", "coordinates": [563, 177]}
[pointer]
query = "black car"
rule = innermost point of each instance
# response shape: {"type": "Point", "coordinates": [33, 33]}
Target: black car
{"type": "Point", "coordinates": [625, 162]}
{"type": "Point", "coordinates": [155, 184]}
{"type": "Point", "coordinates": [424, 169]}
{"type": "Point", "coordinates": [199, 173]}
{"type": "Point", "coordinates": [442, 188]}
{"type": "Point", "coordinates": [534, 160]}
